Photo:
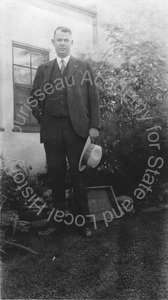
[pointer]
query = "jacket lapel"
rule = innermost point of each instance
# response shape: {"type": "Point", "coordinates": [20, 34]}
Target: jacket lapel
{"type": "Point", "coordinates": [72, 66]}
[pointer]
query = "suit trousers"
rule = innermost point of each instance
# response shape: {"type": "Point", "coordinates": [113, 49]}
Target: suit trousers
{"type": "Point", "coordinates": [61, 142]}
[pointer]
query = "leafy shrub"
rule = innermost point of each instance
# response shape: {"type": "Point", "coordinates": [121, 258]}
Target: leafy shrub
{"type": "Point", "coordinates": [132, 83]}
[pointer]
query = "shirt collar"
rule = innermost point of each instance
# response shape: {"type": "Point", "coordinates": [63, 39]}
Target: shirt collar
{"type": "Point", "coordinates": [66, 59]}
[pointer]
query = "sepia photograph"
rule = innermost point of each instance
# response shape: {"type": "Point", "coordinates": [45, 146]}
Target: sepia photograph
{"type": "Point", "coordinates": [84, 149]}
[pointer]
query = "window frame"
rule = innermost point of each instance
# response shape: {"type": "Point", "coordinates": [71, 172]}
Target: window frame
{"type": "Point", "coordinates": [30, 48]}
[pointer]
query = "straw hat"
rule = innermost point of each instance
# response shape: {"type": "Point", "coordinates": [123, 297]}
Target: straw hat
{"type": "Point", "coordinates": [91, 155]}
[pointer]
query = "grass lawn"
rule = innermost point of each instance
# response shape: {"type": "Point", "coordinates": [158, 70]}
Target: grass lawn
{"type": "Point", "coordinates": [126, 261]}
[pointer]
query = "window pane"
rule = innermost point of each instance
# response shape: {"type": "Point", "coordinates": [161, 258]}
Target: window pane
{"type": "Point", "coordinates": [21, 96]}
{"type": "Point", "coordinates": [26, 62]}
{"type": "Point", "coordinates": [38, 59]}
{"type": "Point", "coordinates": [33, 74]}
{"type": "Point", "coordinates": [33, 121]}
{"type": "Point", "coordinates": [21, 57]}
{"type": "Point", "coordinates": [22, 75]}
{"type": "Point", "coordinates": [19, 117]}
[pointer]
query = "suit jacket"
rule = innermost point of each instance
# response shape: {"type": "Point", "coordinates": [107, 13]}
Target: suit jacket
{"type": "Point", "coordinates": [82, 95]}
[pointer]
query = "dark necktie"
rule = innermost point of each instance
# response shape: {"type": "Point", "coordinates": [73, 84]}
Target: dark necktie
{"type": "Point", "coordinates": [62, 66]}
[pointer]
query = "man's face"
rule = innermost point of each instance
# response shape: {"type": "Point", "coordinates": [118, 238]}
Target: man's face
{"type": "Point", "coordinates": [62, 43]}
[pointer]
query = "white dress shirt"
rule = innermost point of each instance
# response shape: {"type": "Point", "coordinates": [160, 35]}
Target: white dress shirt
{"type": "Point", "coordinates": [65, 59]}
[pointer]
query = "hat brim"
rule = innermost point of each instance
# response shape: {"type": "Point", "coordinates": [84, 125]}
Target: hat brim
{"type": "Point", "coordinates": [82, 166]}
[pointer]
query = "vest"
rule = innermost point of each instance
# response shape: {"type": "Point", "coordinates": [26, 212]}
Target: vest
{"type": "Point", "coordinates": [56, 104]}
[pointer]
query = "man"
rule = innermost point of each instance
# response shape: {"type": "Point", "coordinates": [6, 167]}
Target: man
{"type": "Point", "coordinates": [68, 111]}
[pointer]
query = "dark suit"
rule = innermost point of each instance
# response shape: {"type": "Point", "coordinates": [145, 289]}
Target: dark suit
{"type": "Point", "coordinates": [64, 129]}
{"type": "Point", "coordinates": [82, 98]}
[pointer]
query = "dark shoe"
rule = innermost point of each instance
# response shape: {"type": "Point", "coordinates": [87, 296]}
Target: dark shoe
{"type": "Point", "coordinates": [87, 232]}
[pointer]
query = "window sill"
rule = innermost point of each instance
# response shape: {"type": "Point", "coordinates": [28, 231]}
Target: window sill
{"type": "Point", "coordinates": [28, 129]}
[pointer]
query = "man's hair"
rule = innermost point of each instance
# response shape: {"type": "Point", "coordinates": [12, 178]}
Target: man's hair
{"type": "Point", "coordinates": [63, 29]}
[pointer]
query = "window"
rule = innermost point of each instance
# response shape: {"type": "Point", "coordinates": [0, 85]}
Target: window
{"type": "Point", "coordinates": [25, 63]}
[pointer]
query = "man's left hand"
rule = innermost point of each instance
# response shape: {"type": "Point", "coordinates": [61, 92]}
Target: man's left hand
{"type": "Point", "coordinates": [94, 133]}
